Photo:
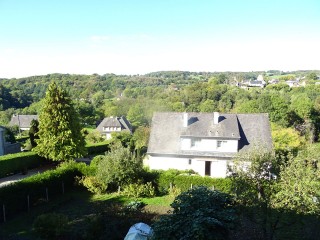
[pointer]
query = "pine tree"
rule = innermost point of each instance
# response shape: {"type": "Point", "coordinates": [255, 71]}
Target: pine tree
{"type": "Point", "coordinates": [60, 136]}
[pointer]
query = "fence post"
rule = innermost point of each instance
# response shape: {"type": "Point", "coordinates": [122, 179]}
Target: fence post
{"type": "Point", "coordinates": [4, 213]}
{"type": "Point", "coordinates": [191, 186]}
{"type": "Point", "coordinates": [119, 189]}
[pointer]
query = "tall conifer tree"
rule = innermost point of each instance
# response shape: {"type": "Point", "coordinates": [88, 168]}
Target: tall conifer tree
{"type": "Point", "coordinates": [60, 136]}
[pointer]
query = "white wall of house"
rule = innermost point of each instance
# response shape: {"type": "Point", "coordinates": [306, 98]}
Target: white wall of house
{"type": "Point", "coordinates": [165, 163]}
{"type": "Point", "coordinates": [218, 167]}
{"type": "Point", "coordinates": [206, 144]}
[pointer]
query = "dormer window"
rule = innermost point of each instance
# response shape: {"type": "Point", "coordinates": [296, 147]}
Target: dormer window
{"type": "Point", "coordinates": [195, 142]}
{"type": "Point", "coordinates": [220, 144]}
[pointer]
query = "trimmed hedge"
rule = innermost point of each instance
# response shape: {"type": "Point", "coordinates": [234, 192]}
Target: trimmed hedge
{"type": "Point", "coordinates": [97, 148]}
{"type": "Point", "coordinates": [15, 196]}
{"type": "Point", "coordinates": [18, 162]}
{"type": "Point", "coordinates": [183, 181]}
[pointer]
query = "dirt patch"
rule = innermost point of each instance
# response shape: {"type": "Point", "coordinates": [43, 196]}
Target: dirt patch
{"type": "Point", "coordinates": [160, 210]}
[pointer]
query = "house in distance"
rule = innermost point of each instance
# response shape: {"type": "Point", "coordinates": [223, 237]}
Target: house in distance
{"type": "Point", "coordinates": [22, 121]}
{"type": "Point", "coordinates": [204, 142]}
{"type": "Point", "coordinates": [113, 124]}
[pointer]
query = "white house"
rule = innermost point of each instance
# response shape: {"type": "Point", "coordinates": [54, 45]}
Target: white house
{"type": "Point", "coordinates": [113, 124]}
{"type": "Point", "coordinates": [204, 142]}
{"type": "Point", "coordinates": [22, 121]}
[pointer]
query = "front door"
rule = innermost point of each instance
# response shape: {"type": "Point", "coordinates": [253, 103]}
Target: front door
{"type": "Point", "coordinates": [207, 170]}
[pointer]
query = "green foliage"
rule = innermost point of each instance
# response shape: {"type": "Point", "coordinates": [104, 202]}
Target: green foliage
{"type": "Point", "coordinates": [119, 167]}
{"type": "Point", "coordinates": [183, 180]}
{"type": "Point", "coordinates": [135, 206]}
{"type": "Point", "coordinates": [197, 214]}
{"type": "Point", "coordinates": [94, 148]}
{"type": "Point", "coordinates": [136, 116]}
{"type": "Point", "coordinates": [94, 136]}
{"type": "Point", "coordinates": [141, 138]}
{"type": "Point", "coordinates": [123, 138]}
{"type": "Point", "coordinates": [9, 134]}
{"type": "Point", "coordinates": [286, 139]}
{"type": "Point", "coordinates": [253, 176]}
{"type": "Point", "coordinates": [59, 133]}
{"type": "Point", "coordinates": [312, 76]}
{"type": "Point", "coordinates": [93, 184]}
{"type": "Point", "coordinates": [137, 190]}
{"type": "Point", "coordinates": [33, 132]}
{"type": "Point", "coordinates": [14, 196]}
{"type": "Point", "coordinates": [51, 225]}
{"type": "Point", "coordinates": [299, 185]}
{"type": "Point", "coordinates": [19, 162]}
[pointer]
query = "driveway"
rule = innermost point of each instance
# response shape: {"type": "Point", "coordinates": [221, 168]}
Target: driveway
{"type": "Point", "coordinates": [17, 177]}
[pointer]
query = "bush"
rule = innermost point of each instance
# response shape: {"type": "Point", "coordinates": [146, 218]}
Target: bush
{"type": "Point", "coordinates": [14, 196]}
{"type": "Point", "coordinates": [199, 213]}
{"type": "Point", "coordinates": [135, 206]}
{"type": "Point", "coordinates": [50, 225]}
{"type": "Point", "coordinates": [17, 162]}
{"type": "Point", "coordinates": [93, 184]}
{"type": "Point", "coordinates": [137, 190]}
{"type": "Point", "coordinates": [183, 181]}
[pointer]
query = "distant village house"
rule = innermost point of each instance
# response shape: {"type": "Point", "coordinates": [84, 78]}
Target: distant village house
{"type": "Point", "coordinates": [22, 121]}
{"type": "Point", "coordinates": [114, 124]}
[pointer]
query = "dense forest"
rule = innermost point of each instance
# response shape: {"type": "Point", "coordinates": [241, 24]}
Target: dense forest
{"type": "Point", "coordinates": [293, 110]}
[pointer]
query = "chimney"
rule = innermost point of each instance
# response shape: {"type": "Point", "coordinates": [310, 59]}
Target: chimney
{"type": "Point", "coordinates": [185, 119]}
{"type": "Point", "coordinates": [215, 117]}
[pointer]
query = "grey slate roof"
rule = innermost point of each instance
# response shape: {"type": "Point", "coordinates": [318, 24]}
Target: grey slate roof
{"type": "Point", "coordinates": [115, 122]}
{"type": "Point", "coordinates": [201, 125]}
{"type": "Point", "coordinates": [24, 121]}
{"type": "Point", "coordinates": [167, 129]}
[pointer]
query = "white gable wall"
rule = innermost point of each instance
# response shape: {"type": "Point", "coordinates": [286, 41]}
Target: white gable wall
{"type": "Point", "coordinates": [206, 144]}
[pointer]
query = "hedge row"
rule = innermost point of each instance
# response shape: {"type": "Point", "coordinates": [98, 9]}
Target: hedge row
{"type": "Point", "coordinates": [36, 188]}
{"type": "Point", "coordinates": [19, 162]}
{"type": "Point", "coordinates": [184, 181]}
{"type": "Point", "coordinates": [97, 148]}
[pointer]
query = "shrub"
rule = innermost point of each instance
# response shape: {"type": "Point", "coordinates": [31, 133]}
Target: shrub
{"type": "Point", "coordinates": [137, 190]}
{"type": "Point", "coordinates": [199, 213]}
{"type": "Point", "coordinates": [135, 206]}
{"type": "Point", "coordinates": [183, 180]}
{"type": "Point", "coordinates": [50, 225]}
{"type": "Point", "coordinates": [93, 184]}
{"type": "Point", "coordinates": [17, 162]}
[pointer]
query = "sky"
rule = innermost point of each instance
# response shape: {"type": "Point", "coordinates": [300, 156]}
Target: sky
{"type": "Point", "coordinates": [140, 36]}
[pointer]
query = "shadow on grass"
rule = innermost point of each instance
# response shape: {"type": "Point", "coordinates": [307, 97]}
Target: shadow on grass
{"type": "Point", "coordinates": [89, 217]}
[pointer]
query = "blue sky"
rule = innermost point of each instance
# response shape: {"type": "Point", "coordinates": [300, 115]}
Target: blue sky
{"type": "Point", "coordinates": [140, 36]}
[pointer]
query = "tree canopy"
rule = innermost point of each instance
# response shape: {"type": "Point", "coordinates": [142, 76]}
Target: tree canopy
{"type": "Point", "coordinates": [60, 136]}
